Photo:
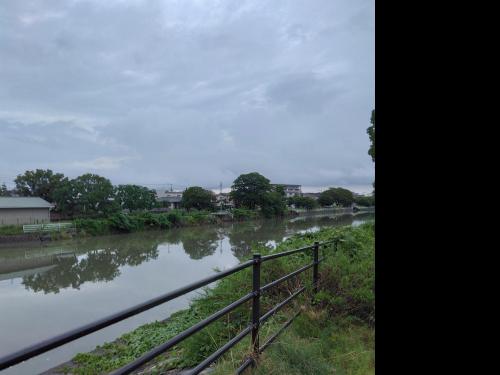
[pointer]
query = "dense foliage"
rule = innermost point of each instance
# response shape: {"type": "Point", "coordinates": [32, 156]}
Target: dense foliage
{"type": "Point", "coordinates": [273, 204]}
{"type": "Point", "coordinates": [40, 183]}
{"type": "Point", "coordinates": [94, 195]}
{"type": "Point", "coordinates": [249, 190]}
{"type": "Point", "coordinates": [303, 202]}
{"type": "Point", "coordinates": [135, 197]}
{"type": "Point", "coordinates": [198, 198]}
{"type": "Point", "coordinates": [338, 196]}
{"type": "Point", "coordinates": [371, 134]}
{"type": "Point", "coordinates": [4, 192]}
{"type": "Point", "coordinates": [365, 201]}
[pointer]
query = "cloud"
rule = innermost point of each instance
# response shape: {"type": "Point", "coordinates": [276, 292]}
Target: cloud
{"type": "Point", "coordinates": [101, 163]}
{"type": "Point", "coordinates": [188, 92]}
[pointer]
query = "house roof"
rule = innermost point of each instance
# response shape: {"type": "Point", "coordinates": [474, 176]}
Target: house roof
{"type": "Point", "coordinates": [24, 202]}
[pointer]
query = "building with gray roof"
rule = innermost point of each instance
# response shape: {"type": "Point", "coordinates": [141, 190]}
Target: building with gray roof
{"type": "Point", "coordinates": [24, 210]}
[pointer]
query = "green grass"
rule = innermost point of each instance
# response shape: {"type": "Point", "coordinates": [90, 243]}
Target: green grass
{"type": "Point", "coordinates": [333, 336]}
{"type": "Point", "coordinates": [11, 230]}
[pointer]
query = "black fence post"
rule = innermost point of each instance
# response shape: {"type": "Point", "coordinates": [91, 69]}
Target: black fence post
{"type": "Point", "coordinates": [256, 304]}
{"type": "Point", "coordinates": [315, 267]}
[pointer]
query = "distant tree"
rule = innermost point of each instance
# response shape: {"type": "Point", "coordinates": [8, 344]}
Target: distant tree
{"type": "Point", "coordinates": [339, 196]}
{"type": "Point", "coordinates": [371, 134]}
{"type": "Point", "coordinates": [40, 183]}
{"type": "Point", "coordinates": [94, 195]}
{"type": "Point", "coordinates": [280, 189]}
{"type": "Point", "coordinates": [365, 201]}
{"type": "Point", "coordinates": [304, 202]}
{"type": "Point", "coordinates": [198, 198]}
{"type": "Point", "coordinates": [4, 192]}
{"type": "Point", "coordinates": [65, 198]}
{"type": "Point", "coordinates": [134, 197]}
{"type": "Point", "coordinates": [249, 190]}
{"type": "Point", "coordinates": [273, 204]}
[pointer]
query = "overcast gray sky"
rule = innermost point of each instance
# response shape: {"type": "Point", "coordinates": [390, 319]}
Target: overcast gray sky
{"type": "Point", "coordinates": [188, 92]}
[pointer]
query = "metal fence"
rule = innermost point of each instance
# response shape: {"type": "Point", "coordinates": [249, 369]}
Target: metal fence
{"type": "Point", "coordinates": [252, 328]}
{"type": "Point", "coordinates": [30, 228]}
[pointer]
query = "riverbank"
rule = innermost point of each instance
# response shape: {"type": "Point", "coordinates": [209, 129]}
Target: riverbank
{"type": "Point", "coordinates": [129, 223]}
{"type": "Point", "coordinates": [334, 335]}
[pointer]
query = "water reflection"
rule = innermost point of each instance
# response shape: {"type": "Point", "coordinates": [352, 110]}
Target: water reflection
{"type": "Point", "coordinates": [57, 266]}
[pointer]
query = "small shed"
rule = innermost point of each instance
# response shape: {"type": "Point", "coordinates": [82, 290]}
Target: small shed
{"type": "Point", "coordinates": [24, 210]}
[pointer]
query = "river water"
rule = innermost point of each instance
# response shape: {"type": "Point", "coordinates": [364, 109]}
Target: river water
{"type": "Point", "coordinates": [48, 289]}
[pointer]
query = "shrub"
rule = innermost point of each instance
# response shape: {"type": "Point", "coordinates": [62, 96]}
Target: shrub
{"type": "Point", "coordinates": [244, 214]}
{"type": "Point", "coordinates": [94, 227]}
{"type": "Point", "coordinates": [122, 223]}
{"type": "Point", "coordinates": [175, 217]}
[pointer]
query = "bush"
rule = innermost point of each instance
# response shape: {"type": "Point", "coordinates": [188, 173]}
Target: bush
{"type": "Point", "coordinates": [9, 230]}
{"type": "Point", "coordinates": [122, 223]}
{"type": "Point", "coordinates": [175, 217]}
{"type": "Point", "coordinates": [244, 214]}
{"type": "Point", "coordinates": [94, 227]}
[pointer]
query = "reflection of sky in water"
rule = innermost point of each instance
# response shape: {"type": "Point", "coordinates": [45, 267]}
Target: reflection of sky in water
{"type": "Point", "coordinates": [48, 290]}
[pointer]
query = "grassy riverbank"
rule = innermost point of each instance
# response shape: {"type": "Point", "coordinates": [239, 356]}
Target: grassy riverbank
{"type": "Point", "coordinates": [335, 334]}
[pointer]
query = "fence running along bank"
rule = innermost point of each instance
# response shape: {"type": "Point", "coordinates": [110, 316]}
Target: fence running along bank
{"type": "Point", "coordinates": [253, 328]}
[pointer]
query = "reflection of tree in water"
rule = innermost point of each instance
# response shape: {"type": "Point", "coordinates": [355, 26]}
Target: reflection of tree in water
{"type": "Point", "coordinates": [244, 236]}
{"type": "Point", "coordinates": [101, 263]}
{"type": "Point", "coordinates": [199, 242]}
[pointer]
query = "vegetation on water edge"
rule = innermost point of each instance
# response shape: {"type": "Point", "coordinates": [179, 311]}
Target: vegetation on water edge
{"type": "Point", "coordinates": [336, 334]}
{"type": "Point", "coordinates": [11, 230]}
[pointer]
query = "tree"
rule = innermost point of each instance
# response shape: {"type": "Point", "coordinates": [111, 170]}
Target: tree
{"type": "Point", "coordinates": [365, 201]}
{"type": "Point", "coordinates": [371, 134]}
{"type": "Point", "coordinates": [65, 198]}
{"type": "Point", "coordinates": [339, 196]}
{"type": "Point", "coordinates": [273, 204]}
{"type": "Point", "coordinates": [40, 183]}
{"type": "Point", "coordinates": [303, 202]}
{"type": "Point", "coordinates": [94, 195]}
{"type": "Point", "coordinates": [134, 197]}
{"type": "Point", "coordinates": [198, 198]}
{"type": "Point", "coordinates": [249, 190]}
{"type": "Point", "coordinates": [4, 192]}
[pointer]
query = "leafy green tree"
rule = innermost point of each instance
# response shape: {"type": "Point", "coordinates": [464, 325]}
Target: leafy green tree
{"type": "Point", "coordinates": [280, 189]}
{"type": "Point", "coordinates": [198, 198]}
{"type": "Point", "coordinates": [273, 204]}
{"type": "Point", "coordinates": [365, 201]}
{"type": "Point", "coordinates": [303, 202]}
{"type": "Point", "coordinates": [4, 192]}
{"type": "Point", "coordinates": [65, 198]}
{"type": "Point", "coordinates": [134, 197]}
{"type": "Point", "coordinates": [371, 134]}
{"type": "Point", "coordinates": [94, 195]}
{"type": "Point", "coordinates": [249, 190]}
{"type": "Point", "coordinates": [339, 196]}
{"type": "Point", "coordinates": [40, 183]}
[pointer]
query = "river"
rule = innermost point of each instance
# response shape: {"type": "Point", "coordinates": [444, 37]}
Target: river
{"type": "Point", "coordinates": [48, 289]}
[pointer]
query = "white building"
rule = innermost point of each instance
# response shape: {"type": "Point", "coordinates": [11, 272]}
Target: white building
{"type": "Point", "coordinates": [291, 190]}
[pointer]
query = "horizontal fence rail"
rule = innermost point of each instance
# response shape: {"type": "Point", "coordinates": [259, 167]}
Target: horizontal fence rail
{"type": "Point", "coordinates": [253, 329]}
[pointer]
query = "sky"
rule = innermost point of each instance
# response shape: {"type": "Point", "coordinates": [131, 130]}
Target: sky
{"type": "Point", "coordinates": [188, 92]}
